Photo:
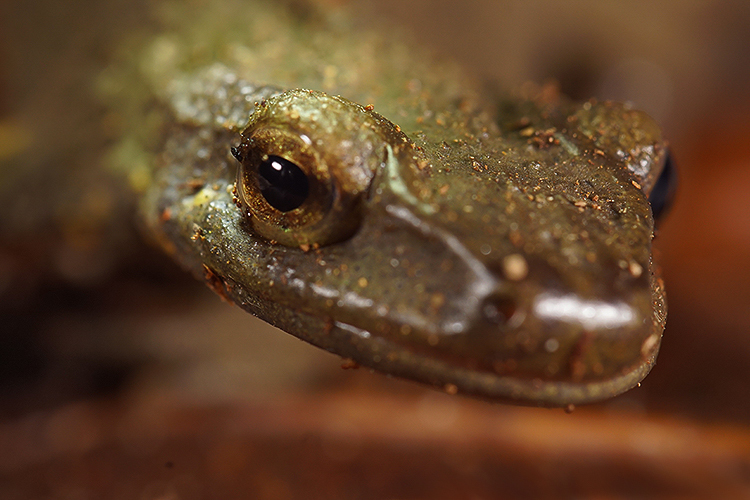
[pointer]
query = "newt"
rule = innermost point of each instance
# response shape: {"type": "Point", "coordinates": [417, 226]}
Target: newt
{"type": "Point", "coordinates": [368, 197]}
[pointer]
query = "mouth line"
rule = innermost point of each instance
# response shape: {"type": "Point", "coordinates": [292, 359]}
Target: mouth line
{"type": "Point", "coordinates": [390, 357]}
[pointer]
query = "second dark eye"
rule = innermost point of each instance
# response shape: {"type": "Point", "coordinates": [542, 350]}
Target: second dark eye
{"type": "Point", "coordinates": [663, 193]}
{"type": "Point", "coordinates": [282, 183]}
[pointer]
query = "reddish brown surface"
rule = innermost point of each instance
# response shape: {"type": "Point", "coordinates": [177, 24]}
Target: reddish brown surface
{"type": "Point", "coordinates": [366, 447]}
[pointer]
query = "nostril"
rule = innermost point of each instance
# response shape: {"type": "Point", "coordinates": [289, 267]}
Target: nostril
{"type": "Point", "coordinates": [500, 309]}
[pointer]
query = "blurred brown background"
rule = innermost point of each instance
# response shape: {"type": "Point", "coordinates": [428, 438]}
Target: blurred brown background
{"type": "Point", "coordinates": [135, 382]}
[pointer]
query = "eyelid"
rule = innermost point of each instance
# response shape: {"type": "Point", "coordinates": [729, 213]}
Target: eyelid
{"type": "Point", "coordinates": [335, 142]}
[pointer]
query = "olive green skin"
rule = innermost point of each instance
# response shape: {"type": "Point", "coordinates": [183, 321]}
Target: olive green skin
{"type": "Point", "coordinates": [502, 251]}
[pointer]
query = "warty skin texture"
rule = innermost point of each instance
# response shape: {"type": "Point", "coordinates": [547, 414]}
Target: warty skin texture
{"type": "Point", "coordinates": [502, 250]}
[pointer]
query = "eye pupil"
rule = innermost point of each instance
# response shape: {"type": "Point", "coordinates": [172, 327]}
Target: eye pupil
{"type": "Point", "coordinates": [282, 183]}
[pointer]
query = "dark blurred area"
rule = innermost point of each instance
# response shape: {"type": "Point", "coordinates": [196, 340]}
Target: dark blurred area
{"type": "Point", "coordinates": [124, 378]}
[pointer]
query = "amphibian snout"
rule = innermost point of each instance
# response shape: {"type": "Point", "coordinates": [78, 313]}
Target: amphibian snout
{"type": "Point", "coordinates": [394, 217]}
{"type": "Point", "coordinates": [433, 260]}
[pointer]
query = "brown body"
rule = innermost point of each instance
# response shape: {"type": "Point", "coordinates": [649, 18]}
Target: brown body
{"type": "Point", "coordinates": [498, 250]}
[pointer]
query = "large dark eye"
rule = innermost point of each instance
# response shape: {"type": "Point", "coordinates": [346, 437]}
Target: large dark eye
{"type": "Point", "coordinates": [663, 193]}
{"type": "Point", "coordinates": [283, 184]}
{"type": "Point", "coordinates": [306, 163]}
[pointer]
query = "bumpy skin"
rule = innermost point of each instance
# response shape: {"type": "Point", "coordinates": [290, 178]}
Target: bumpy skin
{"type": "Point", "coordinates": [501, 251]}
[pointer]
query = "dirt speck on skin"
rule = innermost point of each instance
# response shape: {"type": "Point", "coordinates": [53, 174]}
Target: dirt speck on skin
{"type": "Point", "coordinates": [515, 267]}
{"type": "Point", "coordinates": [236, 409]}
